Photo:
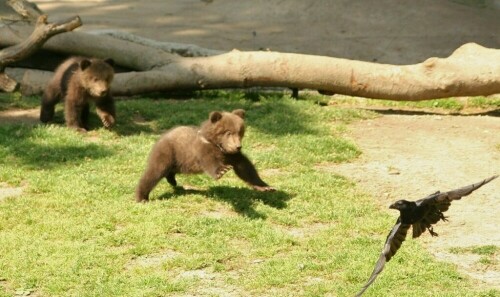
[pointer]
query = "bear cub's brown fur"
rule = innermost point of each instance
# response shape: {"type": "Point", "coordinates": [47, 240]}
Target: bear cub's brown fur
{"type": "Point", "coordinates": [213, 148]}
{"type": "Point", "coordinates": [79, 81]}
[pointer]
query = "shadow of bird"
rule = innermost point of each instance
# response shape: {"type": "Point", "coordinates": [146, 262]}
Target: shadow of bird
{"type": "Point", "coordinates": [420, 215]}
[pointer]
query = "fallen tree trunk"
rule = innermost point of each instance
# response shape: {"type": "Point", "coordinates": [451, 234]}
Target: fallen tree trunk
{"type": "Point", "coordinates": [471, 70]}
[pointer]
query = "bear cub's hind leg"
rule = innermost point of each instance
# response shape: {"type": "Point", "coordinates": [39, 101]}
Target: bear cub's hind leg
{"type": "Point", "coordinates": [171, 179]}
{"type": "Point", "coordinates": [149, 180]}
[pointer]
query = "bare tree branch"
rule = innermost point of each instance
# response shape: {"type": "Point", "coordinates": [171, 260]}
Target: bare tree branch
{"type": "Point", "coordinates": [42, 32]}
{"type": "Point", "coordinates": [26, 9]}
{"type": "Point", "coordinates": [124, 53]}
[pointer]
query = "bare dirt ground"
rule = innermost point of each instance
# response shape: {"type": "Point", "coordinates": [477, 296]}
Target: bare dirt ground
{"type": "Point", "coordinates": [387, 31]}
{"type": "Point", "coordinates": [409, 156]}
{"type": "Point", "coordinates": [7, 191]}
{"type": "Point", "coordinates": [27, 116]}
{"type": "Point", "coordinates": [405, 154]}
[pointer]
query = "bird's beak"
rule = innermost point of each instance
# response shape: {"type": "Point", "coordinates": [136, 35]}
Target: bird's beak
{"type": "Point", "coordinates": [393, 206]}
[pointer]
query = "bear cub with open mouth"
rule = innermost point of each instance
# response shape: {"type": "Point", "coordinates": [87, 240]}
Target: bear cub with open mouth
{"type": "Point", "coordinates": [213, 148]}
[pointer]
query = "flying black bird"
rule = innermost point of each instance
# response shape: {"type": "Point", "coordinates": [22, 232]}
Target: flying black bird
{"type": "Point", "coordinates": [420, 214]}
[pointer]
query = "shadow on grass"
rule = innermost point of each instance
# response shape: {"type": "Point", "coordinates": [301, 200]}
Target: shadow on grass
{"type": "Point", "coordinates": [243, 200]}
{"type": "Point", "coordinates": [394, 111]}
{"type": "Point", "coordinates": [29, 146]}
{"type": "Point", "coordinates": [271, 113]}
{"type": "Point", "coordinates": [126, 124]}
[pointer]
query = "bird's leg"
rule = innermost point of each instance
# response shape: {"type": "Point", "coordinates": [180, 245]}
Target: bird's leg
{"type": "Point", "coordinates": [442, 217]}
{"type": "Point", "coordinates": [431, 231]}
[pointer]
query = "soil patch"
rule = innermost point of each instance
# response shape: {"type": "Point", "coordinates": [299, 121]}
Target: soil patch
{"type": "Point", "coordinates": [16, 116]}
{"type": "Point", "coordinates": [383, 31]}
{"type": "Point", "coordinates": [411, 156]}
{"type": "Point", "coordinates": [6, 191]}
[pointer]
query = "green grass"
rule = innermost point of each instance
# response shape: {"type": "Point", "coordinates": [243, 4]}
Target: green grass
{"type": "Point", "coordinates": [76, 230]}
{"type": "Point", "coordinates": [451, 105]}
{"type": "Point", "coordinates": [15, 100]}
{"type": "Point", "coordinates": [487, 252]}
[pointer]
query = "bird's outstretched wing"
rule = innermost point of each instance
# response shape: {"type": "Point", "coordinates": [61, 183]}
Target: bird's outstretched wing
{"type": "Point", "coordinates": [446, 197]}
{"type": "Point", "coordinates": [438, 203]}
{"type": "Point", "coordinates": [392, 244]}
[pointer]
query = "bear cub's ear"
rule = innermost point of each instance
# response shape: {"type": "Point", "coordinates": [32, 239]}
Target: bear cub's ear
{"type": "Point", "coordinates": [215, 116]}
{"type": "Point", "coordinates": [110, 62]}
{"type": "Point", "coordinates": [84, 64]}
{"type": "Point", "coordinates": [240, 113]}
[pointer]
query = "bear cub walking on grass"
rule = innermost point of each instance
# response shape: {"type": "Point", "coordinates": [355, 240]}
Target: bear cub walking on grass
{"type": "Point", "coordinates": [213, 148]}
{"type": "Point", "coordinates": [79, 81]}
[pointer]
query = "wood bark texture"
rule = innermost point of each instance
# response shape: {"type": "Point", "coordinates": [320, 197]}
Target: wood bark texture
{"type": "Point", "coordinates": [471, 70]}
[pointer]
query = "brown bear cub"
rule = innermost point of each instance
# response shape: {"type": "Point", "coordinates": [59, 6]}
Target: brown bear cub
{"type": "Point", "coordinates": [79, 81]}
{"type": "Point", "coordinates": [213, 148]}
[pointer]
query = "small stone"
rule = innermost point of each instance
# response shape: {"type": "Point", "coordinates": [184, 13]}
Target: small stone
{"type": "Point", "coordinates": [393, 171]}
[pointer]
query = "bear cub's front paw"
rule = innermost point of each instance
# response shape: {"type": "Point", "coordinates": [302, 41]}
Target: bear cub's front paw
{"type": "Point", "coordinates": [108, 121]}
{"type": "Point", "coordinates": [222, 170]}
